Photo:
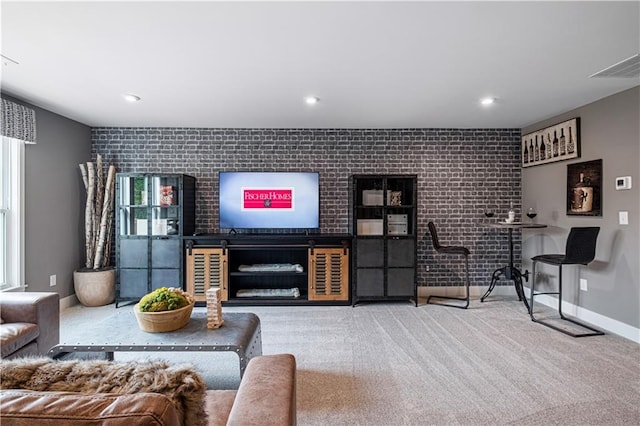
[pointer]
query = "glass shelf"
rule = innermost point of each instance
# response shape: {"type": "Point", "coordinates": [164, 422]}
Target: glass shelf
{"type": "Point", "coordinates": [136, 205]}
{"type": "Point", "coordinates": [165, 221]}
{"type": "Point", "coordinates": [164, 191]}
{"type": "Point", "coordinates": [133, 191]}
{"type": "Point", "coordinates": [133, 220]}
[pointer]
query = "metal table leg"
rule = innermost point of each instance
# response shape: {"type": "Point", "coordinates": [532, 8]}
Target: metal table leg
{"type": "Point", "coordinates": [494, 279]}
{"type": "Point", "coordinates": [510, 273]}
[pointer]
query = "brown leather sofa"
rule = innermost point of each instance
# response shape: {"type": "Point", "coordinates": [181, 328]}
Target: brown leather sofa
{"type": "Point", "coordinates": [266, 396]}
{"type": "Point", "coordinates": [30, 323]}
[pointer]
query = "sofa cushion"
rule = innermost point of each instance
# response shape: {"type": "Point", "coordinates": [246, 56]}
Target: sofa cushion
{"type": "Point", "coordinates": [39, 308]}
{"type": "Point", "coordinates": [26, 408]}
{"type": "Point", "coordinates": [267, 393]}
{"type": "Point", "coordinates": [180, 383]}
{"type": "Point", "coordinates": [14, 335]}
{"type": "Point", "coordinates": [218, 406]}
{"type": "Point", "coordinates": [30, 350]}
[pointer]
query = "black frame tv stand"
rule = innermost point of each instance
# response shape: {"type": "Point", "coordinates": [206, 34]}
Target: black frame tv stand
{"type": "Point", "coordinates": [233, 262]}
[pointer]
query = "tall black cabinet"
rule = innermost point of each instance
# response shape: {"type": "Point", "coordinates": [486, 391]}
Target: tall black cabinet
{"type": "Point", "coordinates": [384, 216]}
{"type": "Point", "coordinates": [153, 212]}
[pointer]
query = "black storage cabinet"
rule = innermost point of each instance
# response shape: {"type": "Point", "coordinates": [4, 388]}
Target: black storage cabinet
{"type": "Point", "coordinates": [384, 216]}
{"type": "Point", "coordinates": [153, 213]}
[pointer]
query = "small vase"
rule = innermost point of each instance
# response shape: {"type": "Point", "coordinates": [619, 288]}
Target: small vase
{"type": "Point", "coordinates": [95, 287]}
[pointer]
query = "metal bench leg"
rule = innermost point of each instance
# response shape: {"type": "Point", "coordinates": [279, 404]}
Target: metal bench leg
{"type": "Point", "coordinates": [465, 299]}
{"type": "Point", "coordinates": [533, 290]}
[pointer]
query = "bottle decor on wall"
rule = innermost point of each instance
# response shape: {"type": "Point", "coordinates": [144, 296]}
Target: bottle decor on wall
{"type": "Point", "coordinates": [551, 144]}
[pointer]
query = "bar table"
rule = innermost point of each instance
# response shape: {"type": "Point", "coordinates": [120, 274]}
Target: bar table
{"type": "Point", "coordinates": [509, 271]}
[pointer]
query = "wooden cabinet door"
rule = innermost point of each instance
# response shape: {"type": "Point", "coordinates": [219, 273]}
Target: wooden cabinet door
{"type": "Point", "coordinates": [328, 274]}
{"type": "Point", "coordinates": [206, 268]}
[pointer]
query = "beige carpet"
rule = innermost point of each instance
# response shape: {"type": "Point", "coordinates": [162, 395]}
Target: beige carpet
{"type": "Point", "coordinates": [395, 364]}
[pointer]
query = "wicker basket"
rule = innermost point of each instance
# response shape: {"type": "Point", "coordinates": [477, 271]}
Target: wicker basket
{"type": "Point", "coordinates": [159, 322]}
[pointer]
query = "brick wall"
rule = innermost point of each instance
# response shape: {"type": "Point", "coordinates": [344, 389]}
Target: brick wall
{"type": "Point", "coordinates": [460, 172]}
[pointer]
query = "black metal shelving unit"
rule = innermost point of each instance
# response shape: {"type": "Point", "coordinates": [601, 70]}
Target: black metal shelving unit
{"type": "Point", "coordinates": [384, 224]}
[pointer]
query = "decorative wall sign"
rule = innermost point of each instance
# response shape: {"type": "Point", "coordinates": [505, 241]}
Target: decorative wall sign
{"type": "Point", "coordinates": [584, 185]}
{"type": "Point", "coordinates": [551, 144]}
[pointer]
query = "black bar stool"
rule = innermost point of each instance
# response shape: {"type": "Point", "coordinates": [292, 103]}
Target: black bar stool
{"type": "Point", "coordinates": [451, 250]}
{"type": "Point", "coordinates": [580, 250]}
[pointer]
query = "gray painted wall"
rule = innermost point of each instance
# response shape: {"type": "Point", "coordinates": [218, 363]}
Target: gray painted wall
{"type": "Point", "coordinates": [54, 204]}
{"type": "Point", "coordinates": [609, 131]}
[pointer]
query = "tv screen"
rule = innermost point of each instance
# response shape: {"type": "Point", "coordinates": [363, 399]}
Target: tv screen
{"type": "Point", "coordinates": [260, 200]}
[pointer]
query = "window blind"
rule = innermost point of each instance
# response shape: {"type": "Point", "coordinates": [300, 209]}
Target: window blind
{"type": "Point", "coordinates": [18, 122]}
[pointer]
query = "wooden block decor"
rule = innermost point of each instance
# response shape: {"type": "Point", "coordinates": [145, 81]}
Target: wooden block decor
{"type": "Point", "coordinates": [214, 308]}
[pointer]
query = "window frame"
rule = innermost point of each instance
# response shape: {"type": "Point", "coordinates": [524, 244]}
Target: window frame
{"type": "Point", "coordinates": [12, 275]}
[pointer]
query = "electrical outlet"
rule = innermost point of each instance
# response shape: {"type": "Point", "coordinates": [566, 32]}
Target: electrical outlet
{"type": "Point", "coordinates": [426, 268]}
{"type": "Point", "coordinates": [583, 284]}
{"type": "Point", "coordinates": [52, 280]}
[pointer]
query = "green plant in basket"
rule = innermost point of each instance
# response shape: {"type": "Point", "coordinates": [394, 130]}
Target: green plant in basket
{"type": "Point", "coordinates": [165, 299]}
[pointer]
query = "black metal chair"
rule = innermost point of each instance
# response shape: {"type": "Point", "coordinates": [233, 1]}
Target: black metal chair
{"type": "Point", "coordinates": [580, 250]}
{"type": "Point", "coordinates": [451, 250]}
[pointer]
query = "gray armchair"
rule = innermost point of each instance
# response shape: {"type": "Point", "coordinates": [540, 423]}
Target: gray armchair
{"type": "Point", "coordinates": [30, 323]}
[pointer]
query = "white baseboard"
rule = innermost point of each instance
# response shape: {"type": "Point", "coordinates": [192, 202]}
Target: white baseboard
{"type": "Point", "coordinates": [605, 323]}
{"type": "Point", "coordinates": [458, 291]}
{"type": "Point", "coordinates": [600, 321]}
{"type": "Point", "coordinates": [67, 302]}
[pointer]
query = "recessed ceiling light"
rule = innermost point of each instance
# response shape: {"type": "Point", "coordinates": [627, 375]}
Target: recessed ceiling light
{"type": "Point", "coordinates": [131, 97]}
{"type": "Point", "coordinates": [311, 100]}
{"type": "Point", "coordinates": [487, 101]}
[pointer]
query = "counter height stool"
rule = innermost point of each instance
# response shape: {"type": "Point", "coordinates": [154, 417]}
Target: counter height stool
{"type": "Point", "coordinates": [580, 250]}
{"type": "Point", "coordinates": [451, 250]}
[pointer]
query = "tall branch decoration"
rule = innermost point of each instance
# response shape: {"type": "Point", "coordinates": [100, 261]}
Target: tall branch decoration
{"type": "Point", "coordinates": [98, 213]}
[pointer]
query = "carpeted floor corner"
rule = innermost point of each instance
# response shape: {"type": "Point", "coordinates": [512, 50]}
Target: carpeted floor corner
{"type": "Point", "coordinates": [397, 364]}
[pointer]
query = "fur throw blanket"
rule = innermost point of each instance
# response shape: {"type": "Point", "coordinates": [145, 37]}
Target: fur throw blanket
{"type": "Point", "coordinates": [180, 383]}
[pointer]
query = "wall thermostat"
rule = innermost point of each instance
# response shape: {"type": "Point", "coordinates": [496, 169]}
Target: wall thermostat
{"type": "Point", "coordinates": [623, 182]}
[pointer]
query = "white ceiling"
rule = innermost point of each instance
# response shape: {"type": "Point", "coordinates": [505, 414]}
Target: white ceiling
{"type": "Point", "coordinates": [373, 64]}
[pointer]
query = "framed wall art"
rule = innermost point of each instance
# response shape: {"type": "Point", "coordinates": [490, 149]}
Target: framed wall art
{"type": "Point", "coordinates": [551, 144]}
{"type": "Point", "coordinates": [584, 186]}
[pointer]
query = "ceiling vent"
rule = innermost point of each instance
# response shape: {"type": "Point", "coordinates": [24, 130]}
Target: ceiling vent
{"type": "Point", "coordinates": [629, 68]}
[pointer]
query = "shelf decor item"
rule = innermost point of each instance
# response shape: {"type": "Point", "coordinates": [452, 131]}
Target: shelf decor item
{"type": "Point", "coordinates": [584, 184]}
{"type": "Point", "coordinates": [214, 308]}
{"type": "Point", "coordinates": [554, 143]}
{"type": "Point", "coordinates": [95, 283]}
{"type": "Point", "coordinates": [395, 198]}
{"type": "Point", "coordinates": [164, 309]}
{"type": "Point", "coordinates": [166, 195]}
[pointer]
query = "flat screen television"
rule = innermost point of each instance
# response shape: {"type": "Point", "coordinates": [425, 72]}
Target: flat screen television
{"type": "Point", "coordinates": [269, 200]}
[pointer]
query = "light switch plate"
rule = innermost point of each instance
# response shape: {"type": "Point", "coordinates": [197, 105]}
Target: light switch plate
{"type": "Point", "coordinates": [623, 218]}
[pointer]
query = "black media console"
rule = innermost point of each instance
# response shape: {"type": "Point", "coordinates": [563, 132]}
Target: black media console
{"type": "Point", "coordinates": [270, 269]}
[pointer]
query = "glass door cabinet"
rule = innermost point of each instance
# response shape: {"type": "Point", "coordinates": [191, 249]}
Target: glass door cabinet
{"type": "Point", "coordinates": [153, 212]}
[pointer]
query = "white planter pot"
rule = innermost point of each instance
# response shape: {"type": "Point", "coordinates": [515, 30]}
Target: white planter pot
{"type": "Point", "coordinates": [95, 288]}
